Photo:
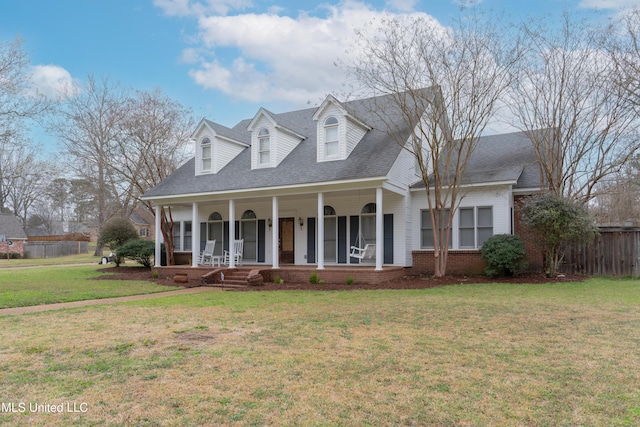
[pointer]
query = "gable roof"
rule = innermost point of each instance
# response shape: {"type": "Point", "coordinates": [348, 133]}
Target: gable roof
{"type": "Point", "coordinates": [372, 157]}
{"type": "Point", "coordinates": [11, 228]}
{"type": "Point", "coordinates": [508, 157]}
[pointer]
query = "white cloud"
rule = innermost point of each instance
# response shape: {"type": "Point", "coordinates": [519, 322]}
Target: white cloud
{"type": "Point", "coordinates": [278, 57]}
{"type": "Point", "coordinates": [608, 4]}
{"type": "Point", "coordinates": [51, 81]}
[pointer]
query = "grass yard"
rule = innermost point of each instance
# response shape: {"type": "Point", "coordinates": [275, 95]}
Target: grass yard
{"type": "Point", "coordinates": [34, 286]}
{"type": "Point", "coordinates": [468, 355]}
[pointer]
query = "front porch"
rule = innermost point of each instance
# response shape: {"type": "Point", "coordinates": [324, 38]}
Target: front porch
{"type": "Point", "coordinates": [211, 276]}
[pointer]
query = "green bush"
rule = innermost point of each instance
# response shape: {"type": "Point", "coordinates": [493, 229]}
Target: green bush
{"type": "Point", "coordinates": [349, 280]}
{"type": "Point", "coordinates": [115, 233]}
{"type": "Point", "coordinates": [139, 250]}
{"type": "Point", "coordinates": [504, 254]}
{"type": "Point", "coordinates": [313, 279]}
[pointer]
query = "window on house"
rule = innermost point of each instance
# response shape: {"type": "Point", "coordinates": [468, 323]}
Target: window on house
{"type": "Point", "coordinates": [264, 147]}
{"type": "Point", "coordinates": [426, 228]}
{"type": "Point", "coordinates": [249, 233]}
{"type": "Point", "coordinates": [215, 231]}
{"type": "Point", "coordinates": [182, 236]}
{"type": "Point", "coordinates": [177, 246]}
{"type": "Point", "coordinates": [367, 225]}
{"type": "Point", "coordinates": [205, 147]}
{"type": "Point", "coordinates": [144, 232]}
{"type": "Point", "coordinates": [331, 145]}
{"type": "Point", "coordinates": [475, 226]}
{"type": "Point", "coordinates": [330, 234]}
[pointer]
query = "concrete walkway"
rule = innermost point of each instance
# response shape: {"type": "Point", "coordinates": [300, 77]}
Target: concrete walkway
{"type": "Point", "coordinates": [62, 305]}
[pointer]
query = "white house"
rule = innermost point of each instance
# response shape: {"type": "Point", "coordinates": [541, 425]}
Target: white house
{"type": "Point", "coordinates": [303, 187]}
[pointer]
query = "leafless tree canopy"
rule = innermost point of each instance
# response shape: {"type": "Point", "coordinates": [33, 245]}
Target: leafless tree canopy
{"type": "Point", "coordinates": [568, 86]}
{"type": "Point", "coordinates": [456, 76]}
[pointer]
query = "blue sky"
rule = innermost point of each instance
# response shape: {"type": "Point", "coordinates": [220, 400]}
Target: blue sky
{"type": "Point", "coordinates": [222, 58]}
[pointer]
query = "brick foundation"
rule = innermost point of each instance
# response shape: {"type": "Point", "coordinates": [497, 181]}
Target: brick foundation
{"type": "Point", "coordinates": [458, 262]}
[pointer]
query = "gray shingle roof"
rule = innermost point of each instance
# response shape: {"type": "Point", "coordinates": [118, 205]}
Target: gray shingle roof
{"type": "Point", "coordinates": [502, 158]}
{"type": "Point", "coordinates": [508, 157]}
{"type": "Point", "coordinates": [11, 228]}
{"type": "Point", "coordinates": [373, 157]}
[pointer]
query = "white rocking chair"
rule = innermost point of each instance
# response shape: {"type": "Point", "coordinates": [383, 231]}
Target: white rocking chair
{"type": "Point", "coordinates": [236, 252]}
{"type": "Point", "coordinates": [206, 256]}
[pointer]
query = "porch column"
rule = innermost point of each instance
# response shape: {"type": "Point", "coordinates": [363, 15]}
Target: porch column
{"type": "Point", "coordinates": [275, 233]}
{"type": "Point", "coordinates": [157, 256]}
{"type": "Point", "coordinates": [195, 235]}
{"type": "Point", "coordinates": [379, 230]}
{"type": "Point", "coordinates": [320, 231]}
{"type": "Point", "coordinates": [232, 231]}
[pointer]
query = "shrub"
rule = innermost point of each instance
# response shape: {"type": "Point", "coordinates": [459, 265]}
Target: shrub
{"type": "Point", "coordinates": [504, 254]}
{"type": "Point", "coordinates": [349, 280]}
{"type": "Point", "coordinates": [115, 233]}
{"type": "Point", "coordinates": [139, 250]}
{"type": "Point", "coordinates": [313, 279]}
{"type": "Point", "coordinates": [556, 222]}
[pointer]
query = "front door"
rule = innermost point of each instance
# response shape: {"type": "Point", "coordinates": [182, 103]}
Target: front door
{"type": "Point", "coordinates": [286, 232]}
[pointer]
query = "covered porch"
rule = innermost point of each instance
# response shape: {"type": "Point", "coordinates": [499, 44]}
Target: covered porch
{"type": "Point", "coordinates": [284, 228]}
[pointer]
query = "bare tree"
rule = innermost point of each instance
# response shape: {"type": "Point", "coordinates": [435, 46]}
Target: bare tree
{"type": "Point", "coordinates": [568, 87]}
{"type": "Point", "coordinates": [625, 50]}
{"type": "Point", "coordinates": [88, 126]}
{"type": "Point", "coordinates": [152, 143]}
{"type": "Point", "coordinates": [466, 69]}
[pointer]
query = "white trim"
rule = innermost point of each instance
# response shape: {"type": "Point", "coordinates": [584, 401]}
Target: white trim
{"type": "Point", "coordinates": [283, 190]}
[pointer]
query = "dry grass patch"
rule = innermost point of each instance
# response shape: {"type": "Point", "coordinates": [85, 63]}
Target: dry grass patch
{"type": "Point", "coordinates": [462, 355]}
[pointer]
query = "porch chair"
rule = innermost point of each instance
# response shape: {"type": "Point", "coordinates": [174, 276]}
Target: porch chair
{"type": "Point", "coordinates": [206, 256]}
{"type": "Point", "coordinates": [366, 252]}
{"type": "Point", "coordinates": [237, 248]}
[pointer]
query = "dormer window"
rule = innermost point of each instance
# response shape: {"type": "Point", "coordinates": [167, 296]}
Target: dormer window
{"type": "Point", "coordinates": [331, 142]}
{"type": "Point", "coordinates": [264, 147]}
{"type": "Point", "coordinates": [205, 147]}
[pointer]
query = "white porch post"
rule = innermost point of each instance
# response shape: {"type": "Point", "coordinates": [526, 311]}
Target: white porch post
{"type": "Point", "coordinates": [195, 235]}
{"type": "Point", "coordinates": [275, 233]}
{"type": "Point", "coordinates": [320, 237]}
{"type": "Point", "coordinates": [232, 232]}
{"type": "Point", "coordinates": [379, 230]}
{"type": "Point", "coordinates": [157, 257]}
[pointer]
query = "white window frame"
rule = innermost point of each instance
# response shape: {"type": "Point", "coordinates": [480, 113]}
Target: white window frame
{"type": "Point", "coordinates": [476, 227]}
{"type": "Point", "coordinates": [424, 213]}
{"type": "Point", "coordinates": [331, 124]}
{"type": "Point", "coordinates": [206, 143]}
{"type": "Point", "coordinates": [264, 147]}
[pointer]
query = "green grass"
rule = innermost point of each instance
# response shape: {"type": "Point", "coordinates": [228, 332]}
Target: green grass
{"type": "Point", "coordinates": [45, 285]}
{"type": "Point", "coordinates": [469, 355]}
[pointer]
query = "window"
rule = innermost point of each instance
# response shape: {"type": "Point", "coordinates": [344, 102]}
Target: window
{"type": "Point", "coordinates": [215, 231]}
{"type": "Point", "coordinates": [249, 232]}
{"type": "Point", "coordinates": [182, 236]}
{"type": "Point", "coordinates": [367, 225]}
{"type": "Point", "coordinates": [264, 147]}
{"type": "Point", "coordinates": [426, 228]}
{"type": "Point", "coordinates": [330, 234]}
{"type": "Point", "coordinates": [331, 145]}
{"type": "Point", "coordinates": [205, 147]}
{"type": "Point", "coordinates": [475, 226]}
{"type": "Point", "coordinates": [144, 232]}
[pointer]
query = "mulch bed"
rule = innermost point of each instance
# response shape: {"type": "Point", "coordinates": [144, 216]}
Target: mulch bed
{"type": "Point", "coordinates": [407, 282]}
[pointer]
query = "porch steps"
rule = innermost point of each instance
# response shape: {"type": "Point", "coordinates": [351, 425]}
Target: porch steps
{"type": "Point", "coordinates": [234, 278]}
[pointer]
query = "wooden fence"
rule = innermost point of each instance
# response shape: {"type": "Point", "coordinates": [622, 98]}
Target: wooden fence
{"type": "Point", "coordinates": [615, 252]}
{"type": "Point", "coordinates": [71, 237]}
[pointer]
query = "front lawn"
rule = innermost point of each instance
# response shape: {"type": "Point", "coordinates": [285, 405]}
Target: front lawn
{"type": "Point", "coordinates": [22, 287]}
{"type": "Point", "coordinates": [563, 354]}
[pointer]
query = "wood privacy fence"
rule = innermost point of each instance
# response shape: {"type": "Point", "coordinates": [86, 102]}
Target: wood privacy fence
{"type": "Point", "coordinates": [615, 252]}
{"type": "Point", "coordinates": [71, 237]}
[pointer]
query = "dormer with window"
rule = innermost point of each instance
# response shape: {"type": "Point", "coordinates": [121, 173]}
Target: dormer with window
{"type": "Point", "coordinates": [338, 131]}
{"type": "Point", "coordinates": [216, 146]}
{"type": "Point", "coordinates": [271, 141]}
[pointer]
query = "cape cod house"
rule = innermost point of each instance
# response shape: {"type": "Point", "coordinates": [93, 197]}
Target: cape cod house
{"type": "Point", "coordinates": [303, 187]}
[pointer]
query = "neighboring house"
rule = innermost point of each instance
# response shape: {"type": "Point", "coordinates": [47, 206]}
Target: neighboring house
{"type": "Point", "coordinates": [12, 235]}
{"type": "Point", "coordinates": [303, 187]}
{"type": "Point", "coordinates": [143, 222]}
